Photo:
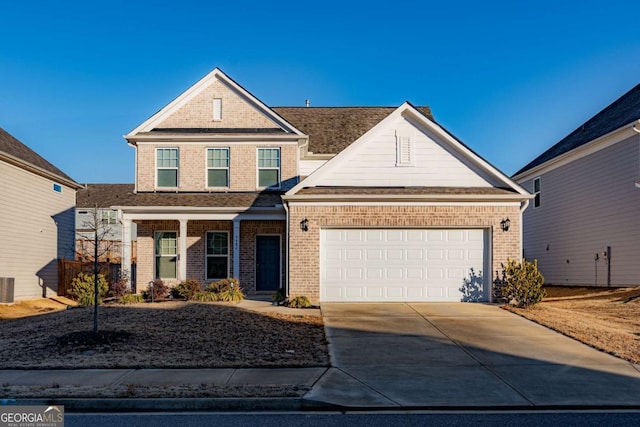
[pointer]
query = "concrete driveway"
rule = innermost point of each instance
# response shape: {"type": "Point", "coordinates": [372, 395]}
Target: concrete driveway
{"type": "Point", "coordinates": [462, 355]}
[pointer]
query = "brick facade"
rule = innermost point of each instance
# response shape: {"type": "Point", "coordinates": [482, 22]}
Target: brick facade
{"type": "Point", "coordinates": [196, 250]}
{"type": "Point", "coordinates": [304, 265]}
{"type": "Point", "coordinates": [192, 174]}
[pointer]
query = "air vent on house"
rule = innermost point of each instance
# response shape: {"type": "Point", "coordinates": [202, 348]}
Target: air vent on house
{"type": "Point", "coordinates": [6, 289]}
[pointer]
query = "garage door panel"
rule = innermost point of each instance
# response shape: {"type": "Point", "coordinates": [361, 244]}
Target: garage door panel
{"type": "Point", "coordinates": [401, 265]}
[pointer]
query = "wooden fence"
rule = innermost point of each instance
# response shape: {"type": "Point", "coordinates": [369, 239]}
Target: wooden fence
{"type": "Point", "coordinates": [68, 269]}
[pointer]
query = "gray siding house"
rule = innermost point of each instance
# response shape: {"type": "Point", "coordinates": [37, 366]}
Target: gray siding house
{"type": "Point", "coordinates": [36, 221]}
{"type": "Point", "coordinates": [583, 226]}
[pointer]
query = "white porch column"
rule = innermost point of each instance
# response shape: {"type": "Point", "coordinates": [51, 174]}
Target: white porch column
{"type": "Point", "coordinates": [236, 248]}
{"type": "Point", "coordinates": [125, 257]}
{"type": "Point", "coordinates": [182, 251]}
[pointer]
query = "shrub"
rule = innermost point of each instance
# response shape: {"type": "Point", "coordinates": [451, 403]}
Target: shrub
{"type": "Point", "coordinates": [523, 283]}
{"type": "Point", "coordinates": [227, 290]}
{"type": "Point", "coordinates": [159, 290]}
{"type": "Point", "coordinates": [186, 289]}
{"type": "Point", "coordinates": [279, 296]}
{"type": "Point", "coordinates": [83, 288]}
{"type": "Point", "coordinates": [299, 302]}
{"type": "Point", "coordinates": [131, 299]}
{"type": "Point", "coordinates": [120, 287]}
{"type": "Point", "coordinates": [204, 296]}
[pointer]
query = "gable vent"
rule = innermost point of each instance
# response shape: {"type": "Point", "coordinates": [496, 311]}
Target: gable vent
{"type": "Point", "coordinates": [404, 151]}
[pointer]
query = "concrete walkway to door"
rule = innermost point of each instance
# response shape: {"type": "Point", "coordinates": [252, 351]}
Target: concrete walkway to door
{"type": "Point", "coordinates": [465, 355]}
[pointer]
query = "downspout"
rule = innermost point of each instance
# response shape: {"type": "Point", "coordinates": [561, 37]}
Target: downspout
{"type": "Point", "coordinates": [635, 128]}
{"type": "Point", "coordinates": [285, 205]}
{"type": "Point", "coordinates": [135, 167]}
{"type": "Point", "coordinates": [524, 205]}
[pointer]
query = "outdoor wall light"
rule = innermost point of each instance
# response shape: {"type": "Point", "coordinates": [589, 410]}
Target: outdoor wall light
{"type": "Point", "coordinates": [504, 224]}
{"type": "Point", "coordinates": [151, 289]}
{"type": "Point", "coordinates": [304, 225]}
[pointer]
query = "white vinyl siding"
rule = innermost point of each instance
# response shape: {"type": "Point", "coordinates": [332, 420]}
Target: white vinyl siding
{"type": "Point", "coordinates": [375, 163]}
{"type": "Point", "coordinates": [589, 204]}
{"type": "Point", "coordinates": [218, 167]}
{"type": "Point", "coordinates": [307, 167]}
{"type": "Point", "coordinates": [167, 167]}
{"type": "Point", "coordinates": [37, 229]}
{"type": "Point", "coordinates": [403, 265]}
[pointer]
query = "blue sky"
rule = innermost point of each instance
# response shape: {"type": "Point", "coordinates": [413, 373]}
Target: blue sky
{"type": "Point", "coordinates": [508, 78]}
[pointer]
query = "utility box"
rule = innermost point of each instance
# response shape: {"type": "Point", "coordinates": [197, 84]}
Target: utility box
{"type": "Point", "coordinates": [6, 289]}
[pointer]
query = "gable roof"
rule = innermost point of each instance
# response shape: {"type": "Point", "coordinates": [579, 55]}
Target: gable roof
{"type": "Point", "coordinates": [215, 75]}
{"type": "Point", "coordinates": [621, 112]}
{"type": "Point", "coordinates": [19, 154]}
{"type": "Point", "coordinates": [319, 177]}
{"type": "Point", "coordinates": [332, 129]}
{"type": "Point", "coordinates": [103, 195]}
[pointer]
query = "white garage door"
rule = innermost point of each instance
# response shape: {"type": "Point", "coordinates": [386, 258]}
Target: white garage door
{"type": "Point", "coordinates": [403, 265]}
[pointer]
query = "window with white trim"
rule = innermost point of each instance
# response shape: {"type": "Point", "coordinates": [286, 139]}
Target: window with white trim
{"type": "Point", "coordinates": [536, 192]}
{"type": "Point", "coordinates": [217, 167]}
{"type": "Point", "coordinates": [109, 217]}
{"type": "Point", "coordinates": [268, 167]}
{"type": "Point", "coordinates": [167, 163]}
{"type": "Point", "coordinates": [217, 109]}
{"type": "Point", "coordinates": [217, 255]}
{"type": "Point", "coordinates": [166, 251]}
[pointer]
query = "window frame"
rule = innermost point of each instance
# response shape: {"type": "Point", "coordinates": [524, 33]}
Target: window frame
{"type": "Point", "coordinates": [537, 199]}
{"type": "Point", "coordinates": [208, 168]}
{"type": "Point", "coordinates": [111, 217]}
{"type": "Point", "coordinates": [176, 168]}
{"type": "Point", "coordinates": [278, 169]}
{"type": "Point", "coordinates": [207, 255]}
{"type": "Point", "coordinates": [156, 272]}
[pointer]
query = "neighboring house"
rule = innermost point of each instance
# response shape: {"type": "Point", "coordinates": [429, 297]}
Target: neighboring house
{"type": "Point", "coordinates": [100, 197]}
{"type": "Point", "coordinates": [37, 221]}
{"type": "Point", "coordinates": [393, 207]}
{"type": "Point", "coordinates": [583, 225]}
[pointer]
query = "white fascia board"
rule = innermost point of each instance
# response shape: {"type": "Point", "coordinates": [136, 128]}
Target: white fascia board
{"type": "Point", "coordinates": [227, 138]}
{"type": "Point", "coordinates": [406, 107]}
{"type": "Point", "coordinates": [211, 216]}
{"type": "Point", "coordinates": [195, 90]}
{"type": "Point", "coordinates": [390, 198]}
{"type": "Point", "coordinates": [607, 140]}
{"type": "Point", "coordinates": [405, 203]}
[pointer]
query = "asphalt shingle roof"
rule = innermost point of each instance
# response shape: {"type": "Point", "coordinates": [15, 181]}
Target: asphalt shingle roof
{"type": "Point", "coordinates": [621, 112]}
{"type": "Point", "coordinates": [10, 145]}
{"type": "Point", "coordinates": [332, 129]}
{"type": "Point", "coordinates": [106, 195]}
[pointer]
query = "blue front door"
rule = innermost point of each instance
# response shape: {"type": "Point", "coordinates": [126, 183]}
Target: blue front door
{"type": "Point", "coordinates": [267, 263]}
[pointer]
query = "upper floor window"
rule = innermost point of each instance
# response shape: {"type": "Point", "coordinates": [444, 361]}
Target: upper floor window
{"type": "Point", "coordinates": [217, 167]}
{"type": "Point", "coordinates": [167, 164]}
{"type": "Point", "coordinates": [109, 217]}
{"type": "Point", "coordinates": [268, 167]}
{"type": "Point", "coordinates": [217, 109]}
{"type": "Point", "coordinates": [536, 192]}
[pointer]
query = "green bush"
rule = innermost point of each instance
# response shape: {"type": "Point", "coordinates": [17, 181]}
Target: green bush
{"type": "Point", "coordinates": [205, 296]}
{"type": "Point", "coordinates": [227, 290]}
{"type": "Point", "coordinates": [523, 283]}
{"type": "Point", "coordinates": [279, 296]}
{"type": "Point", "coordinates": [187, 289]}
{"type": "Point", "coordinates": [159, 290]}
{"type": "Point", "coordinates": [299, 302]}
{"type": "Point", "coordinates": [83, 288]}
{"type": "Point", "coordinates": [131, 299]}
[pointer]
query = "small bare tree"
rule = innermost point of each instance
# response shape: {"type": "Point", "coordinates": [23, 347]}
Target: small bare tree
{"type": "Point", "coordinates": [94, 237]}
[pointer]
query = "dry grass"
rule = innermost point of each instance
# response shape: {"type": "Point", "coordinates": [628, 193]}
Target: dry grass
{"type": "Point", "coordinates": [607, 319]}
{"type": "Point", "coordinates": [163, 335]}
{"type": "Point", "coordinates": [33, 307]}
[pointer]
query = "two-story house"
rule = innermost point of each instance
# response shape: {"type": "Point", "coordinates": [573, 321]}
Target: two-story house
{"type": "Point", "coordinates": [338, 204]}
